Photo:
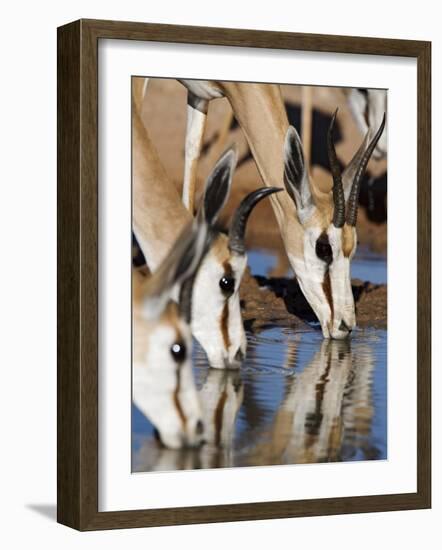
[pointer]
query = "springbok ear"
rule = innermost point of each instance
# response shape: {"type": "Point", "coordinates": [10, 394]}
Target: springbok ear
{"type": "Point", "coordinates": [296, 176]}
{"type": "Point", "coordinates": [218, 186]}
{"type": "Point", "coordinates": [181, 264]}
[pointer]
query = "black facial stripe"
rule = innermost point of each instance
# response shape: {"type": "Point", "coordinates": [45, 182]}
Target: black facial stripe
{"type": "Point", "coordinates": [176, 399]}
{"type": "Point", "coordinates": [326, 287]}
{"type": "Point", "coordinates": [323, 249]}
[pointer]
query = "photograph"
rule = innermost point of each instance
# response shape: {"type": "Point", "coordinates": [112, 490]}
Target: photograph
{"type": "Point", "coordinates": [259, 274]}
{"type": "Point", "coordinates": [244, 274]}
{"type": "Point", "coordinates": [218, 248]}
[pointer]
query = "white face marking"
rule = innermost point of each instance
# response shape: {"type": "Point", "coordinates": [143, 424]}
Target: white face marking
{"type": "Point", "coordinates": [210, 304]}
{"type": "Point", "coordinates": [311, 274]}
{"type": "Point", "coordinates": [164, 389]}
{"type": "Point", "coordinates": [340, 279]}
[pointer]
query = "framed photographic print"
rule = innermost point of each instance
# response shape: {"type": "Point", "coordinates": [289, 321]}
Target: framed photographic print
{"type": "Point", "coordinates": [243, 296]}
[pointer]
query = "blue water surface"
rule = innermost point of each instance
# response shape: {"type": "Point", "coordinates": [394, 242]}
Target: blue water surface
{"type": "Point", "coordinates": [297, 399]}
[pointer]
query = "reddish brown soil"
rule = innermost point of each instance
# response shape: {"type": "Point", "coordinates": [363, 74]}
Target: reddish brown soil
{"type": "Point", "coordinates": [280, 301]}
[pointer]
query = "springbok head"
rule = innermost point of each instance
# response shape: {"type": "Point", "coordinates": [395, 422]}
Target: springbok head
{"type": "Point", "coordinates": [216, 315]}
{"type": "Point", "coordinates": [328, 239]}
{"type": "Point", "coordinates": [368, 108]}
{"type": "Point", "coordinates": [163, 386]}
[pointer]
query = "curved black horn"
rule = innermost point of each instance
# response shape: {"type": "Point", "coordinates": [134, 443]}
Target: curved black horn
{"type": "Point", "coordinates": [352, 204]}
{"type": "Point", "coordinates": [338, 189]}
{"type": "Point", "coordinates": [242, 213]}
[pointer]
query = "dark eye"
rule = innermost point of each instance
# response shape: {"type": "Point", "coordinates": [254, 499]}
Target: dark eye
{"type": "Point", "coordinates": [178, 351]}
{"type": "Point", "coordinates": [227, 285]}
{"type": "Point", "coordinates": [324, 250]}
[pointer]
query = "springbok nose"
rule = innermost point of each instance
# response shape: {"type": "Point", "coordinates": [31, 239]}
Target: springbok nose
{"type": "Point", "coordinates": [344, 327]}
{"type": "Point", "coordinates": [239, 355]}
{"type": "Point", "coordinates": [199, 429]}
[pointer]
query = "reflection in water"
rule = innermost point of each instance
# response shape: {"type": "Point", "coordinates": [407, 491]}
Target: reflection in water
{"type": "Point", "coordinates": [297, 399]}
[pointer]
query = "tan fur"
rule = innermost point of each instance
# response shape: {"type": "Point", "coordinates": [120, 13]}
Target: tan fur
{"type": "Point", "coordinates": [138, 86]}
{"type": "Point", "coordinates": [266, 135]}
{"type": "Point", "coordinates": [220, 248]}
{"type": "Point", "coordinates": [141, 289]}
{"type": "Point", "coordinates": [348, 240]}
{"type": "Point", "coordinates": [159, 216]}
{"type": "Point", "coordinates": [260, 111]}
{"type": "Point", "coordinates": [193, 174]}
{"type": "Point", "coordinates": [221, 142]}
{"type": "Point", "coordinates": [158, 212]}
{"type": "Point", "coordinates": [321, 218]}
{"type": "Point", "coordinates": [153, 196]}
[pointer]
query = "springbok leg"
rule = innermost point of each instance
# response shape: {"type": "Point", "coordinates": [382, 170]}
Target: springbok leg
{"type": "Point", "coordinates": [220, 145]}
{"type": "Point", "coordinates": [196, 123]}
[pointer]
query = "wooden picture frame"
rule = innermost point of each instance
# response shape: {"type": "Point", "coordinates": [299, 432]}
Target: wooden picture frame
{"type": "Point", "coordinates": [77, 461]}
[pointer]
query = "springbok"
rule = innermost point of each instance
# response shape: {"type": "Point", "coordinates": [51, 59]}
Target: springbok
{"type": "Point", "coordinates": [158, 217]}
{"type": "Point", "coordinates": [163, 386]}
{"type": "Point", "coordinates": [319, 235]}
{"type": "Point", "coordinates": [368, 107]}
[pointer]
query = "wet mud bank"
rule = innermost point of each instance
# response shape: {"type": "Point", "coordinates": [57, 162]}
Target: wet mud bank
{"type": "Point", "coordinates": [269, 301]}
